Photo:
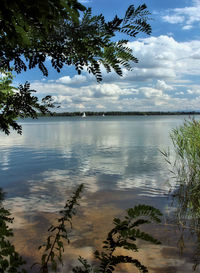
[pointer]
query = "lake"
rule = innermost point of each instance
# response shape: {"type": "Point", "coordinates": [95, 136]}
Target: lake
{"type": "Point", "coordinates": [119, 161]}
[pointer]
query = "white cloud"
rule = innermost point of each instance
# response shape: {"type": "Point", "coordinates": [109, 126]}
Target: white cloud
{"type": "Point", "coordinates": [193, 92]}
{"type": "Point", "coordinates": [164, 58]}
{"type": "Point", "coordinates": [164, 72]}
{"type": "Point", "coordinates": [187, 27]}
{"type": "Point", "coordinates": [173, 19]}
{"type": "Point", "coordinates": [157, 97]}
{"type": "Point", "coordinates": [196, 55]}
{"type": "Point", "coordinates": [151, 92]}
{"type": "Point", "coordinates": [188, 15]}
{"type": "Point", "coordinates": [163, 86]}
{"type": "Point", "coordinates": [80, 106]}
{"type": "Point", "coordinates": [77, 79]}
{"type": "Point", "coordinates": [100, 106]}
{"type": "Point", "coordinates": [108, 90]}
{"type": "Point", "coordinates": [65, 79]}
{"type": "Point", "coordinates": [62, 99]}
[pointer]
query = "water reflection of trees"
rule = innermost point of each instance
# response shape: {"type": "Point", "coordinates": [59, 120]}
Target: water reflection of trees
{"type": "Point", "coordinates": [186, 195]}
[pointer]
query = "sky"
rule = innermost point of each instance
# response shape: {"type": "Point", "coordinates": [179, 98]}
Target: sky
{"type": "Point", "coordinates": [167, 77]}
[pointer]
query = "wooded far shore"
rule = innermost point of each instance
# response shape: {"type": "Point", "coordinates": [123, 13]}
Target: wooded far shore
{"type": "Point", "coordinates": [121, 113]}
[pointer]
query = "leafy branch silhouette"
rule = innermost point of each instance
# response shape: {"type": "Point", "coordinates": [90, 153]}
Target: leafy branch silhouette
{"type": "Point", "coordinates": [123, 235]}
{"type": "Point", "coordinates": [54, 247]}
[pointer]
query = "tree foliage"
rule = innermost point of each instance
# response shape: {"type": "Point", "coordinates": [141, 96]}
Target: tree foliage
{"type": "Point", "coordinates": [55, 29]}
{"type": "Point", "coordinates": [19, 103]}
{"type": "Point", "coordinates": [66, 33]}
{"type": "Point", "coordinates": [23, 22]}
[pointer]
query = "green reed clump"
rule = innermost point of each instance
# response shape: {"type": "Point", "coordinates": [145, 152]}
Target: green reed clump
{"type": "Point", "coordinates": [186, 170]}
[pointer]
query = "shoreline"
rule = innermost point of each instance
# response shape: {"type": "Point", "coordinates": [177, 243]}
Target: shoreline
{"type": "Point", "coordinates": [119, 113]}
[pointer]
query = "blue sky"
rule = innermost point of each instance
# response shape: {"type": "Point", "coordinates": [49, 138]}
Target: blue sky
{"type": "Point", "coordinates": [167, 76]}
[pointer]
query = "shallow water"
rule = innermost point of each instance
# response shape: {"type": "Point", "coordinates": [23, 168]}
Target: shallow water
{"type": "Point", "coordinates": [119, 162]}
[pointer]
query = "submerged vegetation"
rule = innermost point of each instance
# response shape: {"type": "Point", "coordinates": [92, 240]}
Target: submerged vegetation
{"type": "Point", "coordinates": [124, 235]}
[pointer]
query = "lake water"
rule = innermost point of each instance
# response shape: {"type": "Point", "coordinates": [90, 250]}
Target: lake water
{"type": "Point", "coordinates": [119, 162]}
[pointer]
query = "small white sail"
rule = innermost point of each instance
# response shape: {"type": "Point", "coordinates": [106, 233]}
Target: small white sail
{"type": "Point", "coordinates": [84, 115]}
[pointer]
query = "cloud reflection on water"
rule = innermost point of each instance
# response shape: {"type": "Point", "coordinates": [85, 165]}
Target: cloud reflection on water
{"type": "Point", "coordinates": [57, 153]}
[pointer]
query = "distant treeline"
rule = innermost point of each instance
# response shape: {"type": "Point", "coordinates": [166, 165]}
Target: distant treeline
{"type": "Point", "coordinates": [119, 113]}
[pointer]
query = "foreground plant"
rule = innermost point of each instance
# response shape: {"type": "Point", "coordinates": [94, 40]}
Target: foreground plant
{"type": "Point", "coordinates": [123, 236]}
{"type": "Point", "coordinates": [10, 260]}
{"type": "Point", "coordinates": [54, 246]}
